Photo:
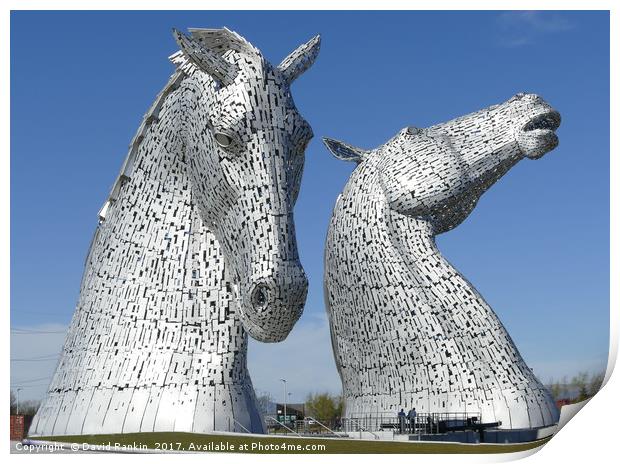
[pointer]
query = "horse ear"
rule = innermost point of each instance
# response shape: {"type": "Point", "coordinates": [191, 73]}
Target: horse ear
{"type": "Point", "coordinates": [221, 40]}
{"type": "Point", "coordinates": [205, 59]}
{"type": "Point", "coordinates": [343, 151]}
{"type": "Point", "coordinates": [297, 62]}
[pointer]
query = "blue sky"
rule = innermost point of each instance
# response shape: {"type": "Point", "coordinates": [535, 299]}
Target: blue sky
{"type": "Point", "coordinates": [536, 247]}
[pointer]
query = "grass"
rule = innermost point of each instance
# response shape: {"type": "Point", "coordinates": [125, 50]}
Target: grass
{"type": "Point", "coordinates": [176, 441]}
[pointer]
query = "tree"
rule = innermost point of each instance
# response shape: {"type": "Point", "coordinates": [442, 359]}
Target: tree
{"type": "Point", "coordinates": [580, 381]}
{"type": "Point", "coordinates": [26, 408]}
{"type": "Point", "coordinates": [323, 406]}
{"type": "Point", "coordinates": [555, 389]}
{"type": "Point", "coordinates": [29, 407]}
{"type": "Point", "coordinates": [264, 401]}
{"type": "Point", "coordinates": [13, 403]}
{"type": "Point", "coordinates": [596, 382]}
{"type": "Point", "coordinates": [564, 388]}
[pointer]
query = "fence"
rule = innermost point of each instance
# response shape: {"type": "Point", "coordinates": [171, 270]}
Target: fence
{"type": "Point", "coordinates": [424, 423]}
{"type": "Point", "coordinates": [428, 423]}
{"type": "Point", "coordinates": [307, 426]}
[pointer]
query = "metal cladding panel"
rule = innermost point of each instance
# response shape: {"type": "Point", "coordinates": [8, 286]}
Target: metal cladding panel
{"type": "Point", "coordinates": [97, 411]}
{"type": "Point", "coordinates": [135, 410]}
{"type": "Point", "coordinates": [66, 408]}
{"type": "Point", "coordinates": [117, 411]}
{"type": "Point", "coordinates": [78, 413]}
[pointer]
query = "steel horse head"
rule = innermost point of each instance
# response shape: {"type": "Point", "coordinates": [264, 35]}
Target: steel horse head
{"type": "Point", "coordinates": [245, 141]}
{"type": "Point", "coordinates": [406, 326]}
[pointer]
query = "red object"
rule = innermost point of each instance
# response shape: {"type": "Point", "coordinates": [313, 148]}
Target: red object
{"type": "Point", "coordinates": [17, 427]}
{"type": "Point", "coordinates": [562, 402]}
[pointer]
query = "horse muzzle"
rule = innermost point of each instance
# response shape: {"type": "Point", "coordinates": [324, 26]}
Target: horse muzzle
{"type": "Point", "coordinates": [271, 304]}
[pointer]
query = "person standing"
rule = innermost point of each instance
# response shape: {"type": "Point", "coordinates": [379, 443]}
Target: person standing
{"type": "Point", "coordinates": [401, 420]}
{"type": "Point", "coordinates": [411, 415]}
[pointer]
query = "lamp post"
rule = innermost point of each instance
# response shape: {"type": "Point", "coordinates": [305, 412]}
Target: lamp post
{"type": "Point", "coordinates": [17, 401]}
{"type": "Point", "coordinates": [284, 383]}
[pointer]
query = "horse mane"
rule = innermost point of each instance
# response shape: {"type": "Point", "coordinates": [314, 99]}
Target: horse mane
{"type": "Point", "coordinates": [218, 40]}
{"type": "Point", "coordinates": [151, 116]}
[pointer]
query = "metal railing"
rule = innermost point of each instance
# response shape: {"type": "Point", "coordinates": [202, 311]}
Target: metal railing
{"type": "Point", "coordinates": [232, 426]}
{"type": "Point", "coordinates": [360, 428]}
{"type": "Point", "coordinates": [306, 426]}
{"type": "Point", "coordinates": [267, 418]}
{"type": "Point", "coordinates": [423, 423]}
{"type": "Point", "coordinates": [241, 425]}
{"type": "Point", "coordinates": [308, 418]}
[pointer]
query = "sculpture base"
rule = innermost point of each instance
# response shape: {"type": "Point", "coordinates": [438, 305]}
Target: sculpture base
{"type": "Point", "coordinates": [183, 408]}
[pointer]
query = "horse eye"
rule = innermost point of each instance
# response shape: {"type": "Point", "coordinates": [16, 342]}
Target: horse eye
{"type": "Point", "coordinates": [223, 140]}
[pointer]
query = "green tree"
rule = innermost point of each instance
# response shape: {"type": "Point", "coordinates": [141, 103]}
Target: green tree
{"type": "Point", "coordinates": [323, 406]}
{"type": "Point", "coordinates": [564, 388]}
{"type": "Point", "coordinates": [580, 381]}
{"type": "Point", "coordinates": [596, 382]}
{"type": "Point", "coordinates": [555, 389]}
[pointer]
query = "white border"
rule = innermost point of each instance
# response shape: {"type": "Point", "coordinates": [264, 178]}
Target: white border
{"type": "Point", "coordinates": [591, 437]}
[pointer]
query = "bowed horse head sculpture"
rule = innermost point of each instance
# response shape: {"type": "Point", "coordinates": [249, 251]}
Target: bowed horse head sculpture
{"type": "Point", "coordinates": [407, 329]}
{"type": "Point", "coordinates": [246, 143]}
{"type": "Point", "coordinates": [195, 248]}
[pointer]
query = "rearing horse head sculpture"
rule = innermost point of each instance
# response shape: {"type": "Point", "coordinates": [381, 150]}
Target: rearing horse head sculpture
{"type": "Point", "coordinates": [439, 173]}
{"type": "Point", "coordinates": [407, 329]}
{"type": "Point", "coordinates": [245, 144]}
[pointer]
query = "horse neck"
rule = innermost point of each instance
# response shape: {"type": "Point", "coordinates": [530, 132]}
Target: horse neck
{"type": "Point", "coordinates": [401, 250]}
{"type": "Point", "coordinates": [383, 270]}
{"type": "Point", "coordinates": [153, 261]}
{"type": "Point", "coordinates": [443, 287]}
{"type": "Point", "coordinates": [440, 281]}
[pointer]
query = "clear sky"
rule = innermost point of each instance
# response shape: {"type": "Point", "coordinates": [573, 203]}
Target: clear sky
{"type": "Point", "coordinates": [536, 247]}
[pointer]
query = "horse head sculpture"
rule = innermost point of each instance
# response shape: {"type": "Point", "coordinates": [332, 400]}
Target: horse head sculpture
{"type": "Point", "coordinates": [439, 173]}
{"type": "Point", "coordinates": [407, 329]}
{"type": "Point", "coordinates": [246, 143]}
{"type": "Point", "coordinates": [195, 248]}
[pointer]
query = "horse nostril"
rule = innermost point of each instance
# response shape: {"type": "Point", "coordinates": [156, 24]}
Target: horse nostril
{"type": "Point", "coordinates": [260, 297]}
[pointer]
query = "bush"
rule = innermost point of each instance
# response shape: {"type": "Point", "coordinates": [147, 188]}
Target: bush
{"type": "Point", "coordinates": [324, 406]}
